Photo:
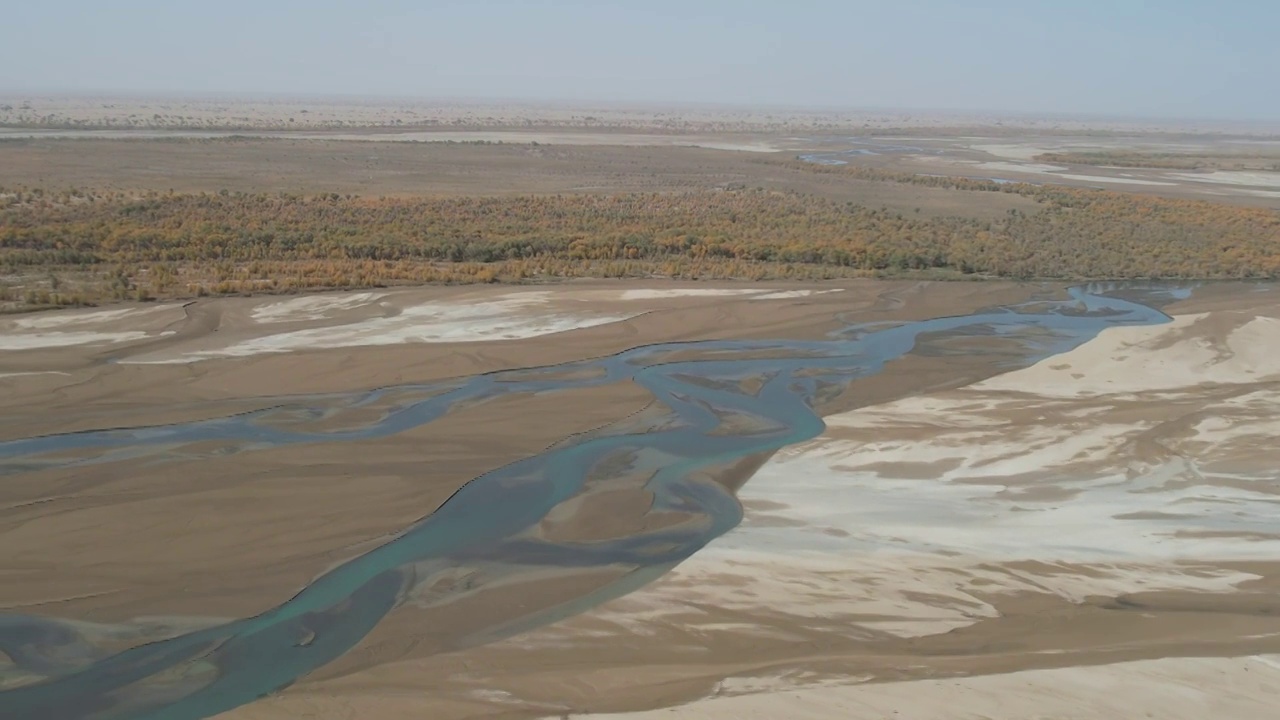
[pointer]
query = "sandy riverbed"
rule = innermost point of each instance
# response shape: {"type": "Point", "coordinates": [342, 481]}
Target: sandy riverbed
{"type": "Point", "coordinates": [1010, 548]}
{"type": "Point", "coordinates": [952, 542]}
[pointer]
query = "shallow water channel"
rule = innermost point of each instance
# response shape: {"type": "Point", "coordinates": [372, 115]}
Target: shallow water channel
{"type": "Point", "coordinates": [62, 668]}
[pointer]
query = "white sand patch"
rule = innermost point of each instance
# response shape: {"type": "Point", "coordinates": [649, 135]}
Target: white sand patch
{"type": "Point", "coordinates": [901, 594]}
{"type": "Point", "coordinates": [311, 308]}
{"type": "Point", "coordinates": [1006, 451]}
{"type": "Point", "coordinates": [897, 592]}
{"type": "Point", "coordinates": [882, 593]}
{"type": "Point", "coordinates": [661, 294]}
{"type": "Point", "coordinates": [1233, 177]}
{"type": "Point", "coordinates": [919, 557]}
{"type": "Point", "coordinates": [1249, 418]}
{"type": "Point", "coordinates": [64, 328]}
{"type": "Point", "coordinates": [31, 341]}
{"type": "Point", "coordinates": [34, 372]}
{"type": "Point", "coordinates": [1057, 171]}
{"type": "Point", "coordinates": [63, 318]}
{"type": "Point", "coordinates": [1000, 519]}
{"type": "Point", "coordinates": [496, 696]}
{"type": "Point", "coordinates": [760, 147]}
{"type": "Point", "coordinates": [1112, 180]}
{"type": "Point", "coordinates": [910, 517]}
{"type": "Point", "coordinates": [731, 686]}
{"type": "Point", "coordinates": [1014, 152]}
{"type": "Point", "coordinates": [789, 294]}
{"type": "Point", "coordinates": [1168, 689]}
{"type": "Point", "coordinates": [1124, 360]}
{"type": "Point", "coordinates": [1271, 661]}
{"type": "Point", "coordinates": [1039, 168]}
{"type": "Point", "coordinates": [511, 317]}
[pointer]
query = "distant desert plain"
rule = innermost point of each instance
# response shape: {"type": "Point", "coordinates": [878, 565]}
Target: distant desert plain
{"type": "Point", "coordinates": [711, 471]}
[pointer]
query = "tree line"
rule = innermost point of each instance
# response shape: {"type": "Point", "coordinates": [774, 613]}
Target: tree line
{"type": "Point", "coordinates": [81, 246]}
{"type": "Point", "coordinates": [1163, 161]}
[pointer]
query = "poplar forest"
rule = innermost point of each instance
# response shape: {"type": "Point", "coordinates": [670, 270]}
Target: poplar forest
{"type": "Point", "coordinates": [87, 246]}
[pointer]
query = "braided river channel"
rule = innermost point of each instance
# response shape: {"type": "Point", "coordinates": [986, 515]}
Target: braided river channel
{"type": "Point", "coordinates": [716, 403]}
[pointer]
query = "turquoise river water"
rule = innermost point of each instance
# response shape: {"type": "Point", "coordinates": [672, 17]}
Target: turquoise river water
{"type": "Point", "coordinates": [61, 668]}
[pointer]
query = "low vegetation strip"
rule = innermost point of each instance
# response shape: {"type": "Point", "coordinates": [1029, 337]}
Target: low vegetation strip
{"type": "Point", "coordinates": [1162, 161]}
{"type": "Point", "coordinates": [84, 247]}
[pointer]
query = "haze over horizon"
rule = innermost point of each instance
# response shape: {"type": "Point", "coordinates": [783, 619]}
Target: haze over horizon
{"type": "Point", "coordinates": [1121, 58]}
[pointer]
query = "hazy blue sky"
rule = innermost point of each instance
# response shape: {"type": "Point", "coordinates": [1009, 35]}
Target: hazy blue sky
{"type": "Point", "coordinates": [1187, 58]}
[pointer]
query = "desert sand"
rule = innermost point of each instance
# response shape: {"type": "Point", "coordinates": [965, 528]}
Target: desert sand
{"type": "Point", "coordinates": [1177, 689]}
{"type": "Point", "coordinates": [407, 147]}
{"type": "Point", "coordinates": [1091, 536]}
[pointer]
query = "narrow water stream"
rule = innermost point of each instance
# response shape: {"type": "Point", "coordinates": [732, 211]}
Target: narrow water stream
{"type": "Point", "coordinates": [60, 669]}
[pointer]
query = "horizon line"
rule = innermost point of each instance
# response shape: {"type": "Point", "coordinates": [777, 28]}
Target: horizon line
{"type": "Point", "coordinates": [616, 103]}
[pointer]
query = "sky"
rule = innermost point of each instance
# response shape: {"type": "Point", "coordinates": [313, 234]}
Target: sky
{"type": "Point", "coordinates": [1124, 58]}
